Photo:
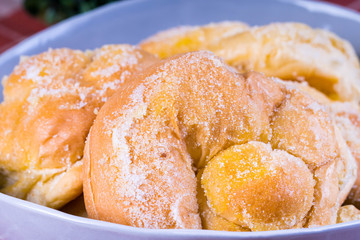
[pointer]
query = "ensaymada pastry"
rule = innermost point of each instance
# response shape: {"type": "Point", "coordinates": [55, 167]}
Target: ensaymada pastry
{"type": "Point", "coordinates": [290, 51]}
{"type": "Point", "coordinates": [191, 38]}
{"type": "Point", "coordinates": [348, 213]}
{"type": "Point", "coordinates": [50, 102]}
{"type": "Point", "coordinates": [191, 143]}
{"type": "Point", "coordinates": [347, 118]}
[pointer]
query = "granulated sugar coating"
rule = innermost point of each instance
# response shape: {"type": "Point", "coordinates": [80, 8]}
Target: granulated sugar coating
{"type": "Point", "coordinates": [191, 38]}
{"type": "Point", "coordinates": [290, 51]}
{"type": "Point", "coordinates": [50, 102]}
{"type": "Point", "coordinates": [267, 189]}
{"type": "Point", "coordinates": [163, 152]}
{"type": "Point", "coordinates": [346, 116]}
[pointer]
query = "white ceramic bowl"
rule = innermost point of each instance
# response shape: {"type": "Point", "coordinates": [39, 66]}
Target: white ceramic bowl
{"type": "Point", "coordinates": [130, 22]}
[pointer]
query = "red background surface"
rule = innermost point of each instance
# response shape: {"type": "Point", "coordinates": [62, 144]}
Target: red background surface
{"type": "Point", "coordinates": [16, 24]}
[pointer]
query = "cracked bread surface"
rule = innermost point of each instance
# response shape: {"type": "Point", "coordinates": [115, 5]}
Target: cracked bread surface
{"type": "Point", "coordinates": [154, 137]}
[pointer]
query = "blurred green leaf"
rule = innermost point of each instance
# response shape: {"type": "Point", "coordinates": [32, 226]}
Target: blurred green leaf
{"type": "Point", "coordinates": [52, 11]}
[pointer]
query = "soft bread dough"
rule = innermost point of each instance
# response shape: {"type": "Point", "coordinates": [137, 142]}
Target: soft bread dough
{"type": "Point", "coordinates": [348, 213]}
{"type": "Point", "coordinates": [50, 102]}
{"type": "Point", "coordinates": [191, 38]}
{"type": "Point", "coordinates": [346, 115]}
{"type": "Point", "coordinates": [181, 117]}
{"type": "Point", "coordinates": [291, 51]}
{"type": "Point", "coordinates": [242, 174]}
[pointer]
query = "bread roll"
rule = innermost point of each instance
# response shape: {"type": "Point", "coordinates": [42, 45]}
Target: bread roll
{"type": "Point", "coordinates": [191, 143]}
{"type": "Point", "coordinates": [290, 51]}
{"type": "Point", "coordinates": [50, 102]}
{"type": "Point", "coordinates": [346, 115]}
{"type": "Point", "coordinates": [191, 38]}
{"type": "Point", "coordinates": [348, 213]}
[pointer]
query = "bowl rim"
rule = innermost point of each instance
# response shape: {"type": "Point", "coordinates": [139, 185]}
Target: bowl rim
{"type": "Point", "coordinates": [114, 227]}
{"type": "Point", "coordinates": [59, 28]}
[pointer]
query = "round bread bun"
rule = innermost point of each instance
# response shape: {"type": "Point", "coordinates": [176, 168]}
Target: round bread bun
{"type": "Point", "coordinates": [347, 118]}
{"type": "Point", "coordinates": [290, 51]}
{"type": "Point", "coordinates": [50, 102]}
{"type": "Point", "coordinates": [191, 38]}
{"type": "Point", "coordinates": [348, 213]}
{"type": "Point", "coordinates": [346, 115]}
{"type": "Point", "coordinates": [191, 143]}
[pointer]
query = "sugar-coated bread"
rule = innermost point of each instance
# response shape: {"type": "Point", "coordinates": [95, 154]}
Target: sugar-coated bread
{"type": "Point", "coordinates": [191, 38]}
{"type": "Point", "coordinates": [291, 51]}
{"type": "Point", "coordinates": [348, 213]}
{"type": "Point", "coordinates": [50, 102]}
{"type": "Point", "coordinates": [346, 115]}
{"type": "Point", "coordinates": [260, 188]}
{"type": "Point", "coordinates": [191, 143]}
{"type": "Point", "coordinates": [347, 119]}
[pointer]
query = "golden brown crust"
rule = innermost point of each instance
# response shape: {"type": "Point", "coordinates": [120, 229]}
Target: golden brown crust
{"type": "Point", "coordinates": [145, 192]}
{"type": "Point", "coordinates": [50, 102]}
{"type": "Point", "coordinates": [348, 213]}
{"type": "Point", "coordinates": [188, 110]}
{"type": "Point", "coordinates": [308, 120]}
{"type": "Point", "coordinates": [346, 116]}
{"type": "Point", "coordinates": [260, 188]}
{"type": "Point", "coordinates": [209, 219]}
{"type": "Point", "coordinates": [190, 38]}
{"type": "Point", "coordinates": [291, 51]}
